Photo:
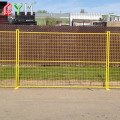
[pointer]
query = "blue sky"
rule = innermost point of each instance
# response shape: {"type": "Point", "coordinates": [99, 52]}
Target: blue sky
{"type": "Point", "coordinates": [73, 6]}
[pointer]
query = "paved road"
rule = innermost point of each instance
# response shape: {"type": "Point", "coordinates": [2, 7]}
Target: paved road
{"type": "Point", "coordinates": [59, 104]}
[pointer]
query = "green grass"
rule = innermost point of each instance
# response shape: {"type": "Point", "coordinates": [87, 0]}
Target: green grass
{"type": "Point", "coordinates": [42, 21]}
{"type": "Point", "coordinates": [93, 73]}
{"type": "Point", "coordinates": [104, 16]}
{"type": "Point", "coordinates": [61, 73]}
{"type": "Point", "coordinates": [7, 72]}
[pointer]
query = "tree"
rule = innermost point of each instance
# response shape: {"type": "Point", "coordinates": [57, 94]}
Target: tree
{"type": "Point", "coordinates": [42, 11]}
{"type": "Point", "coordinates": [82, 11]}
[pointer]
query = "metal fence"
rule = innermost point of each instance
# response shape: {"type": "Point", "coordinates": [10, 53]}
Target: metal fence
{"type": "Point", "coordinates": [50, 59]}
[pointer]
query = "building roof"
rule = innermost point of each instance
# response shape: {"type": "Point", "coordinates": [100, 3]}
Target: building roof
{"type": "Point", "coordinates": [55, 15]}
{"type": "Point", "coordinates": [87, 16]}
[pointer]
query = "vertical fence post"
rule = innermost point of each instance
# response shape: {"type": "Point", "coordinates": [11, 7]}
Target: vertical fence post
{"type": "Point", "coordinates": [17, 59]}
{"type": "Point", "coordinates": [18, 56]}
{"type": "Point", "coordinates": [107, 60]}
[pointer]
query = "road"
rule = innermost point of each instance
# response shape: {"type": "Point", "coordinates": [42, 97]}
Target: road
{"type": "Point", "coordinates": [59, 104]}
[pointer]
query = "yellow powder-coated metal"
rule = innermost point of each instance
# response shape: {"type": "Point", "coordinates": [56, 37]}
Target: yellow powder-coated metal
{"type": "Point", "coordinates": [107, 60]}
{"type": "Point", "coordinates": [114, 87]}
{"type": "Point", "coordinates": [16, 58]}
{"type": "Point", "coordinates": [23, 34]}
{"type": "Point", "coordinates": [61, 86]}
{"type": "Point", "coordinates": [18, 61]}
{"type": "Point", "coordinates": [63, 61]}
{"type": "Point", "coordinates": [64, 33]}
{"type": "Point", "coordinates": [115, 33]}
{"type": "Point", "coordinates": [107, 63]}
{"type": "Point", "coordinates": [7, 86]}
{"type": "Point", "coordinates": [115, 62]}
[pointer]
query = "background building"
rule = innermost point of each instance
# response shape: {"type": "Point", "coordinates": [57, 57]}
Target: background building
{"type": "Point", "coordinates": [78, 19]}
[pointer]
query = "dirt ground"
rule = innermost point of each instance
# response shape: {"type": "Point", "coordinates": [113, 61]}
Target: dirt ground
{"type": "Point", "coordinates": [59, 104]}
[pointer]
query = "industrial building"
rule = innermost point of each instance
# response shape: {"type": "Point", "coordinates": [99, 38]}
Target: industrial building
{"type": "Point", "coordinates": [80, 19]}
{"type": "Point", "coordinates": [75, 19]}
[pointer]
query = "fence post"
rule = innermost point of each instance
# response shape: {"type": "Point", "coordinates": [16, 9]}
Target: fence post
{"type": "Point", "coordinates": [107, 60]}
{"type": "Point", "coordinates": [17, 59]}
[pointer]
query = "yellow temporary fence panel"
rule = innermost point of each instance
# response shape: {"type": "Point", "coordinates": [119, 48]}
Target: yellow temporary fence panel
{"type": "Point", "coordinates": [50, 59]}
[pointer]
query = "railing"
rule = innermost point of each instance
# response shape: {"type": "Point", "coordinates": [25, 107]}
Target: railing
{"type": "Point", "coordinates": [44, 59]}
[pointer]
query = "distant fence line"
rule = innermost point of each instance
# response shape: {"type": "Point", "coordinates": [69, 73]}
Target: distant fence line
{"type": "Point", "coordinates": [68, 29]}
{"type": "Point", "coordinates": [54, 15]}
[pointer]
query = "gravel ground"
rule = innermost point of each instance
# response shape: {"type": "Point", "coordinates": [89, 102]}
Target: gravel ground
{"type": "Point", "coordinates": [59, 104]}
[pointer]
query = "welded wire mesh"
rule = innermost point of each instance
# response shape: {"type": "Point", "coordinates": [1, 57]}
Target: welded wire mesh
{"type": "Point", "coordinates": [7, 59]}
{"type": "Point", "coordinates": [62, 59]}
{"type": "Point", "coordinates": [59, 59]}
{"type": "Point", "coordinates": [115, 60]}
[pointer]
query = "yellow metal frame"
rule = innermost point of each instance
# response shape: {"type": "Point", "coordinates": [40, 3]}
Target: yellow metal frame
{"type": "Point", "coordinates": [64, 33]}
{"type": "Point", "coordinates": [107, 60]}
{"type": "Point", "coordinates": [107, 84]}
{"type": "Point", "coordinates": [107, 87]}
{"type": "Point", "coordinates": [61, 87]}
{"type": "Point", "coordinates": [64, 61]}
{"type": "Point", "coordinates": [17, 59]}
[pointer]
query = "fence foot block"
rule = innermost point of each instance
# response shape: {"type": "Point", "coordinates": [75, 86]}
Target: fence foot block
{"type": "Point", "coordinates": [16, 88]}
{"type": "Point", "coordinates": [107, 89]}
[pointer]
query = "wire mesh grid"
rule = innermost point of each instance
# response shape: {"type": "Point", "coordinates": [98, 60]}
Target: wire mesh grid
{"type": "Point", "coordinates": [62, 59]}
{"type": "Point", "coordinates": [59, 59]}
{"type": "Point", "coordinates": [114, 60]}
{"type": "Point", "coordinates": [7, 59]}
